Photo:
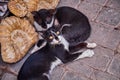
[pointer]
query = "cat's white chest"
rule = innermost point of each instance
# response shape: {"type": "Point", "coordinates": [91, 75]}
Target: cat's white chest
{"type": "Point", "coordinates": [64, 42]}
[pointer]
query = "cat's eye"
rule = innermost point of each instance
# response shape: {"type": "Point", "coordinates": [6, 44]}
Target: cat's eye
{"type": "Point", "coordinates": [57, 32]}
{"type": "Point", "coordinates": [51, 37]}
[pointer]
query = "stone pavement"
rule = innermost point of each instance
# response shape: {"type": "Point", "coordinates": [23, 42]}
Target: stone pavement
{"type": "Point", "coordinates": [104, 16]}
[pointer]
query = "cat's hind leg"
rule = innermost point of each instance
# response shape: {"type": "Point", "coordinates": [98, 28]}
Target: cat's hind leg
{"type": "Point", "coordinates": [83, 45]}
{"type": "Point", "coordinates": [91, 45]}
{"type": "Point", "coordinates": [78, 55]}
{"type": "Point", "coordinates": [87, 53]}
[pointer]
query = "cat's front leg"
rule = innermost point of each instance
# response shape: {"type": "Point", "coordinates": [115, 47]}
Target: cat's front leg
{"type": "Point", "coordinates": [41, 43]}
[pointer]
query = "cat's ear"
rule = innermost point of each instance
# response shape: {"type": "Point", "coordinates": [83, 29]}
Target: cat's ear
{"type": "Point", "coordinates": [56, 23]}
{"type": "Point", "coordinates": [52, 11]}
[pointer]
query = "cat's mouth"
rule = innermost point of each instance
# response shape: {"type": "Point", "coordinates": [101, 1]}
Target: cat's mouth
{"type": "Point", "coordinates": [55, 42]}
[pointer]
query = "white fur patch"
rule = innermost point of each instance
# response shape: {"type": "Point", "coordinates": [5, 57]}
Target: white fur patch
{"type": "Point", "coordinates": [87, 53]}
{"type": "Point", "coordinates": [54, 41]}
{"type": "Point", "coordinates": [54, 64]}
{"type": "Point", "coordinates": [64, 42]}
{"type": "Point", "coordinates": [91, 45]}
{"type": "Point", "coordinates": [50, 25]}
{"type": "Point", "coordinates": [56, 22]}
{"type": "Point", "coordinates": [37, 26]}
{"type": "Point", "coordinates": [45, 74]}
{"type": "Point", "coordinates": [66, 25]}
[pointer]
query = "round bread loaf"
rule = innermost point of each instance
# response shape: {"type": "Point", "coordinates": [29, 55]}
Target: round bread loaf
{"type": "Point", "coordinates": [17, 7]}
{"type": "Point", "coordinates": [47, 4]}
{"type": "Point", "coordinates": [17, 36]}
{"type": "Point", "coordinates": [20, 8]}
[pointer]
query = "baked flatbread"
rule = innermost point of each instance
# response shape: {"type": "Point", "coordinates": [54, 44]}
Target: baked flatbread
{"type": "Point", "coordinates": [16, 38]}
{"type": "Point", "coordinates": [17, 7]}
{"type": "Point", "coordinates": [20, 8]}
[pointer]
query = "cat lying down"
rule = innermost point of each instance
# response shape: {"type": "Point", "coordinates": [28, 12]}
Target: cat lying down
{"type": "Point", "coordinates": [64, 36]}
{"type": "Point", "coordinates": [73, 25]}
{"type": "Point", "coordinates": [40, 64]}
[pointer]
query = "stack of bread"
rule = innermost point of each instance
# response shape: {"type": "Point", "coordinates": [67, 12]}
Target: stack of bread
{"type": "Point", "coordinates": [17, 33]}
{"type": "Point", "coordinates": [16, 37]}
{"type": "Point", "coordinates": [21, 8]}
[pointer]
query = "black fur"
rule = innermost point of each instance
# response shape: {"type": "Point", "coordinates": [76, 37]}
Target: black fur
{"type": "Point", "coordinates": [42, 17]}
{"type": "Point", "coordinates": [38, 65]}
{"type": "Point", "coordinates": [80, 28]}
{"type": "Point", "coordinates": [40, 62]}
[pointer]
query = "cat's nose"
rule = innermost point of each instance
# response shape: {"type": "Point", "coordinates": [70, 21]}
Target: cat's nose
{"type": "Point", "coordinates": [56, 38]}
{"type": "Point", "coordinates": [57, 41]}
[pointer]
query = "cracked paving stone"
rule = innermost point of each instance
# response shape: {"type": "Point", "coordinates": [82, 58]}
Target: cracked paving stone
{"type": "Point", "coordinates": [80, 67]}
{"type": "Point", "coordinates": [114, 67]}
{"type": "Point", "coordinates": [118, 48]}
{"type": "Point", "coordinates": [114, 4]}
{"type": "Point", "coordinates": [70, 3]}
{"type": "Point", "coordinates": [109, 16]}
{"type": "Point", "coordinates": [89, 9]}
{"type": "Point", "coordinates": [57, 73]}
{"type": "Point", "coordinates": [1, 62]}
{"type": "Point", "coordinates": [101, 2]}
{"type": "Point", "coordinates": [16, 67]}
{"type": "Point", "coordinates": [117, 27]}
{"type": "Point", "coordinates": [105, 35]}
{"type": "Point", "coordinates": [1, 71]}
{"type": "Point", "coordinates": [101, 58]}
{"type": "Point", "coordinates": [98, 75]}
{"type": "Point", "coordinates": [8, 76]}
{"type": "Point", "coordinates": [0, 77]}
{"type": "Point", "coordinates": [73, 76]}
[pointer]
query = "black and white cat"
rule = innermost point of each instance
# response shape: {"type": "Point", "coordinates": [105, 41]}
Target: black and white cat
{"type": "Point", "coordinates": [67, 29]}
{"type": "Point", "coordinates": [40, 64]}
{"type": "Point", "coordinates": [72, 24]}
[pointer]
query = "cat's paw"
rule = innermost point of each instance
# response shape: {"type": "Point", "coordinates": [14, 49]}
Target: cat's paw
{"type": "Point", "coordinates": [88, 53]}
{"type": "Point", "coordinates": [91, 45]}
{"type": "Point", "coordinates": [38, 46]}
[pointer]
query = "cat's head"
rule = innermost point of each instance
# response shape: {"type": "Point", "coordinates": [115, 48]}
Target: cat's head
{"type": "Point", "coordinates": [44, 17]}
{"type": "Point", "coordinates": [52, 35]}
